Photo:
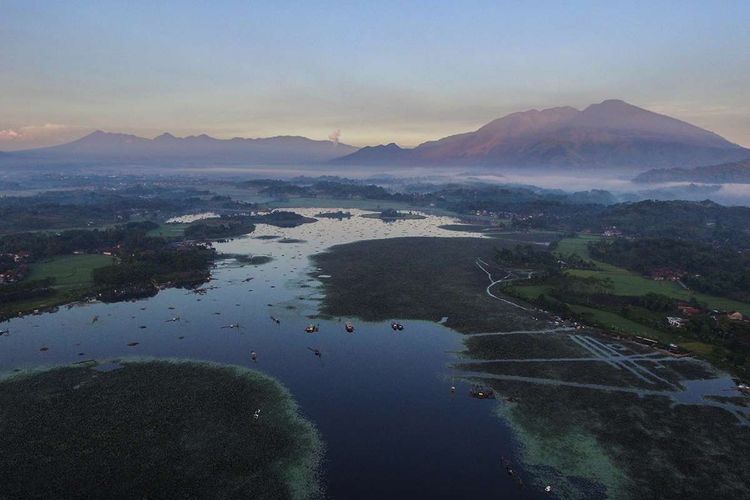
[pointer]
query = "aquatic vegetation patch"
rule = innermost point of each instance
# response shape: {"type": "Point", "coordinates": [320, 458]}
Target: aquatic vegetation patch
{"type": "Point", "coordinates": [255, 260]}
{"type": "Point", "coordinates": [417, 278]}
{"type": "Point", "coordinates": [588, 470]}
{"type": "Point", "coordinates": [340, 215]}
{"type": "Point", "coordinates": [581, 372]}
{"type": "Point", "coordinates": [468, 228]}
{"type": "Point", "coordinates": [390, 214]}
{"type": "Point", "coordinates": [154, 429]}
{"type": "Point", "coordinates": [522, 346]}
{"type": "Point", "coordinates": [632, 445]}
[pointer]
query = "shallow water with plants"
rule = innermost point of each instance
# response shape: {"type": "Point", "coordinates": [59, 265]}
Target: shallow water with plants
{"type": "Point", "coordinates": [381, 398]}
{"type": "Point", "coordinates": [153, 429]}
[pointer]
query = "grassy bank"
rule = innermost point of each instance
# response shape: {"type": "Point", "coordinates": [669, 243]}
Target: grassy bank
{"type": "Point", "coordinates": [154, 429]}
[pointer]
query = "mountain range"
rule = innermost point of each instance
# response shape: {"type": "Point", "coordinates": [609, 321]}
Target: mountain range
{"type": "Point", "coordinates": [725, 173]}
{"type": "Point", "coordinates": [609, 135]}
{"type": "Point", "coordinates": [612, 133]}
{"type": "Point", "coordinates": [166, 149]}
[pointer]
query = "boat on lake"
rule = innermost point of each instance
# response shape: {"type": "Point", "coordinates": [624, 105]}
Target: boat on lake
{"type": "Point", "coordinates": [478, 392]}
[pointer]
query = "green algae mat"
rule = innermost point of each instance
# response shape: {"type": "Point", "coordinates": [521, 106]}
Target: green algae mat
{"type": "Point", "coordinates": [154, 429]}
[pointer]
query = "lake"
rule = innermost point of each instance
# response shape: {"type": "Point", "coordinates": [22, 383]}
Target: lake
{"type": "Point", "coordinates": [380, 399]}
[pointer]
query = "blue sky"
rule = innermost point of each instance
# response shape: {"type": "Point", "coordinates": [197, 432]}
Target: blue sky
{"type": "Point", "coordinates": [379, 71]}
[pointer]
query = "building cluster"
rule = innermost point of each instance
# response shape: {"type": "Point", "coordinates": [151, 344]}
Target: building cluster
{"type": "Point", "coordinates": [687, 310]}
{"type": "Point", "coordinates": [495, 216]}
{"type": "Point", "coordinates": [666, 274]}
{"type": "Point", "coordinates": [17, 272]}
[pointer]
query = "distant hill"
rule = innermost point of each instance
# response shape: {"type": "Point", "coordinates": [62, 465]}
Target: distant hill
{"type": "Point", "coordinates": [612, 133]}
{"type": "Point", "coordinates": [168, 150]}
{"type": "Point", "coordinates": [375, 155]}
{"type": "Point", "coordinates": [725, 173]}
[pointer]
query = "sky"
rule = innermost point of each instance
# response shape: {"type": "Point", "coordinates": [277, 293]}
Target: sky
{"type": "Point", "coordinates": [379, 72]}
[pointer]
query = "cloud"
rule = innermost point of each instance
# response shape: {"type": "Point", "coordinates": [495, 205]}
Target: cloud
{"type": "Point", "coordinates": [9, 135]}
{"type": "Point", "coordinates": [32, 136]}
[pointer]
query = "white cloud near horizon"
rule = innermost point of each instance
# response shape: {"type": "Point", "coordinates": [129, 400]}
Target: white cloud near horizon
{"type": "Point", "coordinates": [36, 136]}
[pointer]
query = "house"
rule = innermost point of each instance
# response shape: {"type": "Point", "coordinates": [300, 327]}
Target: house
{"type": "Point", "coordinates": [688, 310]}
{"type": "Point", "coordinates": [666, 274]}
{"type": "Point", "coordinates": [735, 316]}
{"type": "Point", "coordinates": [676, 322]}
{"type": "Point", "coordinates": [21, 256]}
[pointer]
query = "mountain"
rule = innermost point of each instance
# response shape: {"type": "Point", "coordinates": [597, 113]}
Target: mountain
{"type": "Point", "coordinates": [167, 150]}
{"type": "Point", "coordinates": [377, 154]}
{"type": "Point", "coordinates": [612, 133]}
{"type": "Point", "coordinates": [725, 173]}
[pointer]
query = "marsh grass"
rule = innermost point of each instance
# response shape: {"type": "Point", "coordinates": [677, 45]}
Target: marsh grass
{"type": "Point", "coordinates": [154, 429]}
{"type": "Point", "coordinates": [417, 278]}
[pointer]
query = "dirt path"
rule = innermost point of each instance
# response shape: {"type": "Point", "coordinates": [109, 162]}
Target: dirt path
{"type": "Point", "coordinates": [508, 278]}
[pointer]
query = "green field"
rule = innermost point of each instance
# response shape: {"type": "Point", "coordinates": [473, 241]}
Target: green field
{"type": "Point", "coordinates": [73, 275]}
{"type": "Point", "coordinates": [69, 271]}
{"type": "Point", "coordinates": [578, 245]}
{"type": "Point", "coordinates": [164, 230]}
{"type": "Point", "coordinates": [617, 323]}
{"type": "Point", "coordinates": [627, 283]}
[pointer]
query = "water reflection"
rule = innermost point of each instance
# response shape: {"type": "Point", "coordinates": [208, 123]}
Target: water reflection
{"type": "Point", "coordinates": [380, 397]}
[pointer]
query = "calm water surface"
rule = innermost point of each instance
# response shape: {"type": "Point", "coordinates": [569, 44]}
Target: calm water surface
{"type": "Point", "coordinates": [380, 399]}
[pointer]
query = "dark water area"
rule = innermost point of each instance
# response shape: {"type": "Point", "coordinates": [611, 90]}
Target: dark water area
{"type": "Point", "coordinates": [381, 399]}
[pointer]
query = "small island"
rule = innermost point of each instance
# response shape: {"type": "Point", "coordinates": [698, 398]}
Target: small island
{"type": "Point", "coordinates": [228, 226]}
{"type": "Point", "coordinates": [257, 260]}
{"type": "Point", "coordinates": [339, 215]}
{"type": "Point", "coordinates": [154, 429]}
{"type": "Point", "coordinates": [391, 214]}
{"type": "Point", "coordinates": [283, 218]}
{"type": "Point", "coordinates": [254, 260]}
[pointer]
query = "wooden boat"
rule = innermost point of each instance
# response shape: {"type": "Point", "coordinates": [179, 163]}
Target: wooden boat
{"type": "Point", "coordinates": [481, 393]}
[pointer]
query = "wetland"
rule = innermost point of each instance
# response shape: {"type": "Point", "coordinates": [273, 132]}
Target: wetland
{"type": "Point", "coordinates": [586, 413]}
